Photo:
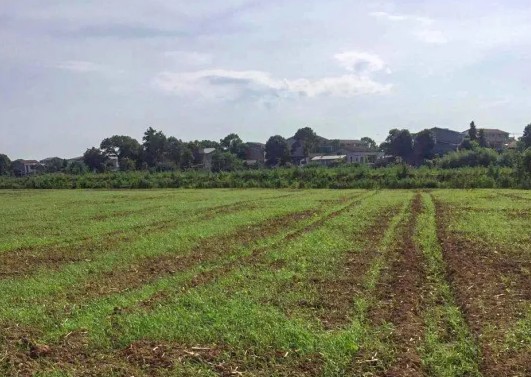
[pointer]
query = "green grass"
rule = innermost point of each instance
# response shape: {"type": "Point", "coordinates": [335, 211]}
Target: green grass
{"type": "Point", "coordinates": [265, 305]}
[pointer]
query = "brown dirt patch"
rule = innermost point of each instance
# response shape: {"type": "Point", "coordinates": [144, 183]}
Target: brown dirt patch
{"type": "Point", "coordinates": [333, 303]}
{"type": "Point", "coordinates": [491, 288]}
{"type": "Point", "coordinates": [147, 270]}
{"type": "Point", "coordinates": [400, 300]}
{"type": "Point", "coordinates": [24, 262]}
{"type": "Point", "coordinates": [254, 257]}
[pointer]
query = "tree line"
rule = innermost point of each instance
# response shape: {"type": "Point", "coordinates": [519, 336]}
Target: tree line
{"type": "Point", "coordinates": [159, 152]}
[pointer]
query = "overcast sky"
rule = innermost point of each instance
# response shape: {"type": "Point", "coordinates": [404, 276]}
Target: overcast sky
{"type": "Point", "coordinates": [75, 72]}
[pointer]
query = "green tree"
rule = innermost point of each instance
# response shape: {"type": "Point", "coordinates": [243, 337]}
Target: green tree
{"type": "Point", "coordinates": [277, 151]}
{"type": "Point", "coordinates": [472, 132]}
{"type": "Point", "coordinates": [95, 159]}
{"type": "Point", "coordinates": [525, 140]}
{"type": "Point", "coordinates": [308, 138]}
{"type": "Point", "coordinates": [54, 165]}
{"type": "Point", "coordinates": [124, 147]}
{"type": "Point", "coordinates": [423, 146]}
{"type": "Point", "coordinates": [5, 165]}
{"type": "Point", "coordinates": [76, 167]}
{"type": "Point", "coordinates": [174, 150]}
{"type": "Point", "coordinates": [154, 145]}
{"type": "Point", "coordinates": [230, 142]}
{"type": "Point", "coordinates": [399, 143]}
{"type": "Point", "coordinates": [368, 142]}
{"type": "Point", "coordinates": [225, 161]}
{"type": "Point", "coordinates": [187, 158]}
{"type": "Point", "coordinates": [481, 138]}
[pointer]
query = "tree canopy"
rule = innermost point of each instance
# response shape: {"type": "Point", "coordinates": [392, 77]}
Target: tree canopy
{"type": "Point", "coordinates": [399, 143]}
{"type": "Point", "coordinates": [423, 146]}
{"type": "Point", "coordinates": [472, 132]}
{"type": "Point", "coordinates": [277, 151]}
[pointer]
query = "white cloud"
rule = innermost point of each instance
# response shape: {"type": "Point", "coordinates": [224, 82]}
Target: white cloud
{"type": "Point", "coordinates": [189, 57]}
{"type": "Point", "coordinates": [360, 62]}
{"type": "Point", "coordinates": [426, 33]}
{"type": "Point", "coordinates": [81, 66]}
{"type": "Point", "coordinates": [231, 85]}
{"type": "Point", "coordinates": [402, 17]}
{"type": "Point", "coordinates": [432, 36]}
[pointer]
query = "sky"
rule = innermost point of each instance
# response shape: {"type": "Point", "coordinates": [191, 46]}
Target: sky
{"type": "Point", "coordinates": [75, 72]}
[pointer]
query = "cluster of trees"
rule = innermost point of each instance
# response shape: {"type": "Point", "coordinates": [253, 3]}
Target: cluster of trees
{"type": "Point", "coordinates": [158, 152]}
{"type": "Point", "coordinates": [418, 149]}
{"type": "Point", "coordinates": [162, 153]}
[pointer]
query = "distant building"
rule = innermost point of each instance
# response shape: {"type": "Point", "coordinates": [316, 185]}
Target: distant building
{"type": "Point", "coordinates": [495, 138]}
{"type": "Point", "coordinates": [255, 152]}
{"type": "Point", "coordinates": [446, 140]}
{"type": "Point", "coordinates": [328, 160]}
{"type": "Point", "coordinates": [351, 144]}
{"type": "Point", "coordinates": [26, 167]}
{"type": "Point", "coordinates": [362, 156]}
{"type": "Point", "coordinates": [206, 157]}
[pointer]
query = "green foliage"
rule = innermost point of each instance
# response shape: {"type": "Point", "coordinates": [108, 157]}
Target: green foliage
{"type": "Point", "coordinates": [472, 132]}
{"type": "Point", "coordinates": [399, 143]}
{"type": "Point", "coordinates": [526, 137]}
{"type": "Point", "coordinates": [95, 160]}
{"type": "Point", "coordinates": [476, 157]}
{"type": "Point", "coordinates": [368, 142]}
{"type": "Point", "coordinates": [5, 165]}
{"type": "Point", "coordinates": [277, 151]}
{"type": "Point", "coordinates": [123, 147]}
{"type": "Point", "coordinates": [343, 177]}
{"type": "Point", "coordinates": [423, 146]}
{"type": "Point", "coordinates": [154, 144]}
{"type": "Point", "coordinates": [308, 138]}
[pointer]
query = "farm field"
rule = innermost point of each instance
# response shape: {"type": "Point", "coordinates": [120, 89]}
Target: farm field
{"type": "Point", "coordinates": [265, 283]}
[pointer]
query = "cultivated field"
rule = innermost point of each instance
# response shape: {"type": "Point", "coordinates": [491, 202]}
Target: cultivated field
{"type": "Point", "coordinates": [265, 283]}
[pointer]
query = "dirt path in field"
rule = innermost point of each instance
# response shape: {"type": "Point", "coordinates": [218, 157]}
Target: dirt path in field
{"type": "Point", "coordinates": [400, 299]}
{"type": "Point", "coordinates": [73, 352]}
{"type": "Point", "coordinates": [333, 304]}
{"type": "Point", "coordinates": [26, 261]}
{"type": "Point", "coordinates": [492, 288]}
{"type": "Point", "coordinates": [257, 254]}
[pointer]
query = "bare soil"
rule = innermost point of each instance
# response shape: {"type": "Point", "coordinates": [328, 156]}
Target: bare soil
{"type": "Point", "coordinates": [491, 288]}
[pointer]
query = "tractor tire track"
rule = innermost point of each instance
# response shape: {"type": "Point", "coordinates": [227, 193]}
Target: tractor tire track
{"type": "Point", "coordinates": [401, 299]}
{"type": "Point", "coordinates": [24, 262]}
{"type": "Point", "coordinates": [489, 303]}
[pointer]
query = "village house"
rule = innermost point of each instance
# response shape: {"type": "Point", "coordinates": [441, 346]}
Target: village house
{"type": "Point", "coordinates": [445, 140]}
{"type": "Point", "coordinates": [495, 138]}
{"type": "Point", "coordinates": [328, 160]}
{"type": "Point", "coordinates": [26, 167]}
{"type": "Point", "coordinates": [205, 155]}
{"type": "Point", "coordinates": [254, 153]}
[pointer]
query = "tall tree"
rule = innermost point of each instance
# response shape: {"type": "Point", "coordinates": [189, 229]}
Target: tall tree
{"type": "Point", "coordinates": [5, 165]}
{"type": "Point", "coordinates": [95, 159]}
{"type": "Point", "coordinates": [423, 146]}
{"type": "Point", "coordinates": [230, 142]}
{"type": "Point", "coordinates": [225, 161]}
{"type": "Point", "coordinates": [308, 138]}
{"type": "Point", "coordinates": [187, 157]}
{"type": "Point", "coordinates": [526, 137]}
{"type": "Point", "coordinates": [174, 150]}
{"type": "Point", "coordinates": [123, 147]}
{"type": "Point", "coordinates": [54, 165]}
{"type": "Point", "coordinates": [277, 151]}
{"type": "Point", "coordinates": [481, 138]}
{"type": "Point", "coordinates": [473, 132]}
{"type": "Point", "coordinates": [154, 145]}
{"type": "Point", "coordinates": [368, 142]}
{"type": "Point", "coordinates": [399, 143]}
